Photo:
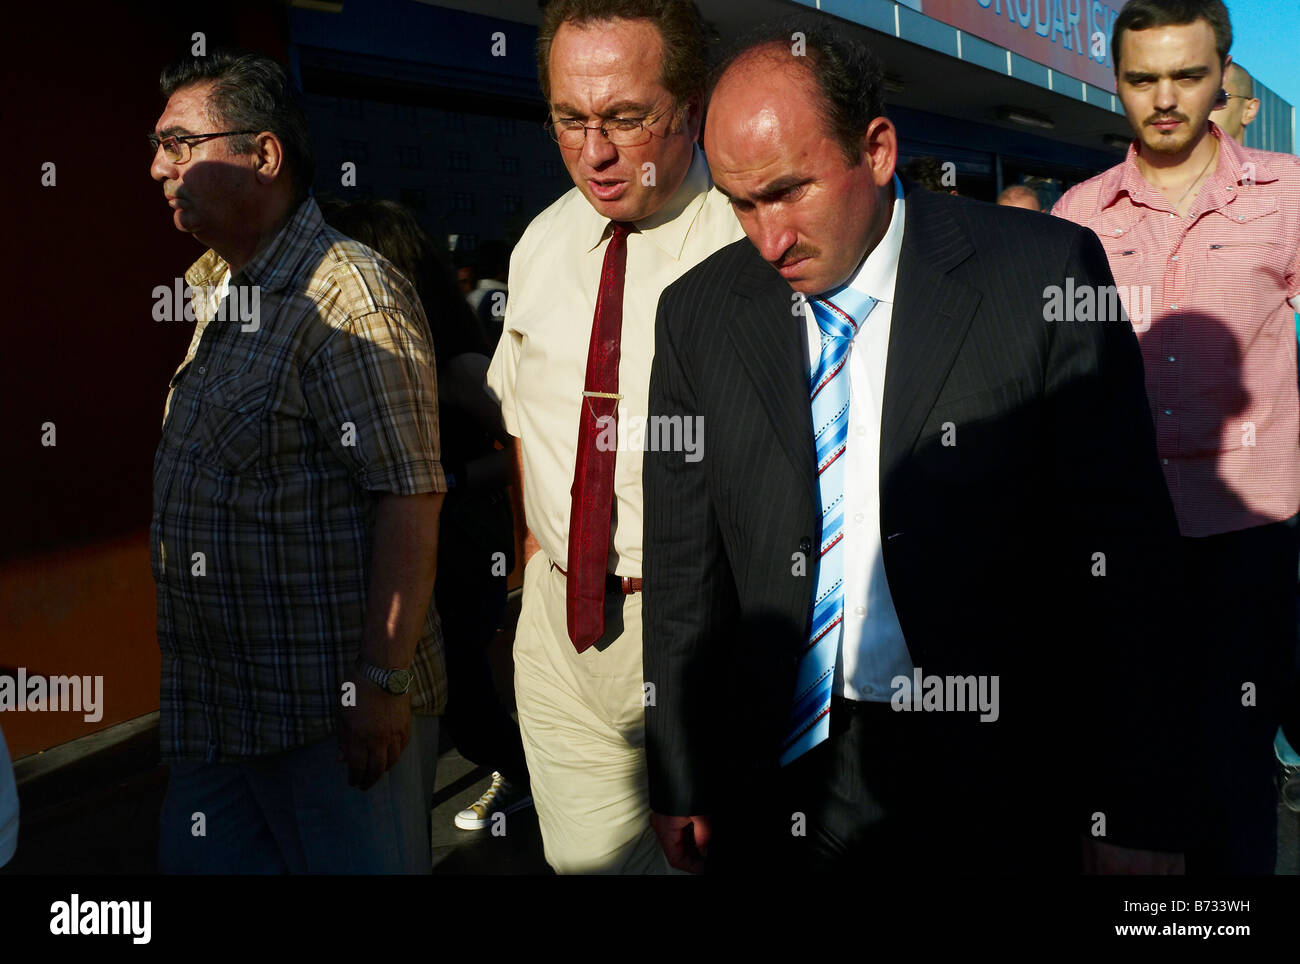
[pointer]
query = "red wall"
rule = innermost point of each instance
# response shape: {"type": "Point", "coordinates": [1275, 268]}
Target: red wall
{"type": "Point", "coordinates": [81, 349]}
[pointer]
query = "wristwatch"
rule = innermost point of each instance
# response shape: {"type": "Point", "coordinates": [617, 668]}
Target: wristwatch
{"type": "Point", "coordinates": [395, 681]}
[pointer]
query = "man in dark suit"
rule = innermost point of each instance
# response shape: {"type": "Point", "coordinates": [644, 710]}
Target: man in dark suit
{"type": "Point", "coordinates": [902, 610]}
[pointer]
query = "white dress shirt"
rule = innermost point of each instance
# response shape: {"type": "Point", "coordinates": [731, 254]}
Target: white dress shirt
{"type": "Point", "coordinates": [871, 646]}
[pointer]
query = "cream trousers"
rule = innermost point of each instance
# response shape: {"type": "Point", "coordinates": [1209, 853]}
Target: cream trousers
{"type": "Point", "coordinates": [583, 724]}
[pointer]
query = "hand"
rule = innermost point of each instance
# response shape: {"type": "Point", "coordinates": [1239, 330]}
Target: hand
{"type": "Point", "coordinates": [685, 840]}
{"type": "Point", "coordinates": [1100, 857]}
{"type": "Point", "coordinates": [529, 547]}
{"type": "Point", "coordinates": [373, 734]}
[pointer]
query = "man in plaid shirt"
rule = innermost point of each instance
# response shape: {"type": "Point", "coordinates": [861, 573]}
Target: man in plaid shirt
{"type": "Point", "coordinates": [296, 497]}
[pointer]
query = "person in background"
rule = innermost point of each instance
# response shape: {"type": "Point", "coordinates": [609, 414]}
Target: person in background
{"type": "Point", "coordinates": [475, 531]}
{"type": "Point", "coordinates": [8, 802]}
{"type": "Point", "coordinates": [1020, 196]}
{"type": "Point", "coordinates": [1241, 107]}
{"type": "Point", "coordinates": [1285, 745]}
{"type": "Point", "coordinates": [465, 279]}
{"type": "Point", "coordinates": [488, 299]}
{"type": "Point", "coordinates": [928, 172]}
{"type": "Point", "coordinates": [491, 266]}
{"type": "Point", "coordinates": [1203, 236]}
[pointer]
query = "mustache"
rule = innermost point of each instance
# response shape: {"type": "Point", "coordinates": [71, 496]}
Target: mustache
{"type": "Point", "coordinates": [1158, 117]}
{"type": "Point", "coordinates": [795, 253]}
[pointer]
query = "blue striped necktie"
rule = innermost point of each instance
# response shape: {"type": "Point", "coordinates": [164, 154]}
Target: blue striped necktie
{"type": "Point", "coordinates": [839, 320]}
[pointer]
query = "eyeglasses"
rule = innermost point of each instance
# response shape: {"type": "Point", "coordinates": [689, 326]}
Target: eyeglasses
{"type": "Point", "coordinates": [619, 131]}
{"type": "Point", "coordinates": [177, 146]}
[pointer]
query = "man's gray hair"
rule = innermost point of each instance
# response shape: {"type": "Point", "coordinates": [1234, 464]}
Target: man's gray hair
{"type": "Point", "coordinates": [251, 92]}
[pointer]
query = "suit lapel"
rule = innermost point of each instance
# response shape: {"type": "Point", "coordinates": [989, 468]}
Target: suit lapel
{"type": "Point", "coordinates": [932, 312]}
{"type": "Point", "coordinates": [767, 340]}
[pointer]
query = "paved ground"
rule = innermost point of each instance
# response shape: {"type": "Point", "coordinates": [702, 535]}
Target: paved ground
{"type": "Point", "coordinates": [516, 851]}
{"type": "Point", "coordinates": [104, 819]}
{"type": "Point", "coordinates": [106, 822]}
{"type": "Point", "coordinates": [113, 829]}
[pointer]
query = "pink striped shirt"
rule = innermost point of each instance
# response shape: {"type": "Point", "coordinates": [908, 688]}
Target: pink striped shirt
{"type": "Point", "coordinates": [1208, 296]}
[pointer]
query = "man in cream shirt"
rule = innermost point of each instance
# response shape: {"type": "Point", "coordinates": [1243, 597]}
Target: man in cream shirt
{"type": "Point", "coordinates": [625, 120]}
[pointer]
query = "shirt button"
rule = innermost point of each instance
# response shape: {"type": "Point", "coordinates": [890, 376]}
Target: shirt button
{"type": "Point", "coordinates": [1171, 357]}
{"type": "Point", "coordinates": [1172, 215]}
{"type": "Point", "coordinates": [860, 610]}
{"type": "Point", "coordinates": [859, 517]}
{"type": "Point", "coordinates": [1174, 258]}
{"type": "Point", "coordinates": [1169, 411]}
{"type": "Point", "coordinates": [1119, 230]}
{"type": "Point", "coordinates": [1241, 217]}
{"type": "Point", "coordinates": [202, 370]}
{"type": "Point", "coordinates": [1164, 461]}
{"type": "Point", "coordinates": [1173, 307]}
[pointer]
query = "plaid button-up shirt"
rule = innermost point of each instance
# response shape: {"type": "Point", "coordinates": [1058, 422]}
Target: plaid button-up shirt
{"type": "Point", "coordinates": [283, 426]}
{"type": "Point", "coordinates": [1215, 327]}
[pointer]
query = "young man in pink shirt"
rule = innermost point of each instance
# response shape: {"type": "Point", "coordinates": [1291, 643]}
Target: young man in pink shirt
{"type": "Point", "coordinates": [1203, 237]}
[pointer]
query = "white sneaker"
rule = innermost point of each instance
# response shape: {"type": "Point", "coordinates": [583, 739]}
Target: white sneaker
{"type": "Point", "coordinates": [501, 797]}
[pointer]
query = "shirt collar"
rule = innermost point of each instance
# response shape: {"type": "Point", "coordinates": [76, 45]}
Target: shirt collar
{"type": "Point", "coordinates": [1242, 165]}
{"type": "Point", "coordinates": [273, 267]}
{"type": "Point", "coordinates": [1235, 166]}
{"type": "Point", "coordinates": [666, 228]}
{"type": "Point", "coordinates": [879, 269]}
{"type": "Point", "coordinates": [207, 271]}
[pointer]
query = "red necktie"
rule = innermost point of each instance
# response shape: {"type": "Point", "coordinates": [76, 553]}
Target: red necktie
{"type": "Point", "coordinates": [593, 475]}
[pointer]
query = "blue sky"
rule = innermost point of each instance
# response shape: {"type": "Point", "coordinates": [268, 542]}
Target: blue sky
{"type": "Point", "coordinates": [1266, 35]}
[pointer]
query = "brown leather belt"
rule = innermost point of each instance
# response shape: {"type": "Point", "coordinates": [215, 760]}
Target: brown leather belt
{"type": "Point", "coordinates": [614, 585]}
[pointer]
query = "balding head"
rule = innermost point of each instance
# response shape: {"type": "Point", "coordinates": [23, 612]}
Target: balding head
{"type": "Point", "coordinates": [1237, 80]}
{"type": "Point", "coordinates": [1242, 106]}
{"type": "Point", "coordinates": [1020, 196]}
{"type": "Point", "coordinates": [847, 73]}
{"type": "Point", "coordinates": [813, 194]}
{"type": "Point", "coordinates": [765, 99]}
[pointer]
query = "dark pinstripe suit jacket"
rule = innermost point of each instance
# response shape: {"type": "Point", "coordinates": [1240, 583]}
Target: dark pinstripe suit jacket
{"type": "Point", "coordinates": [989, 544]}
